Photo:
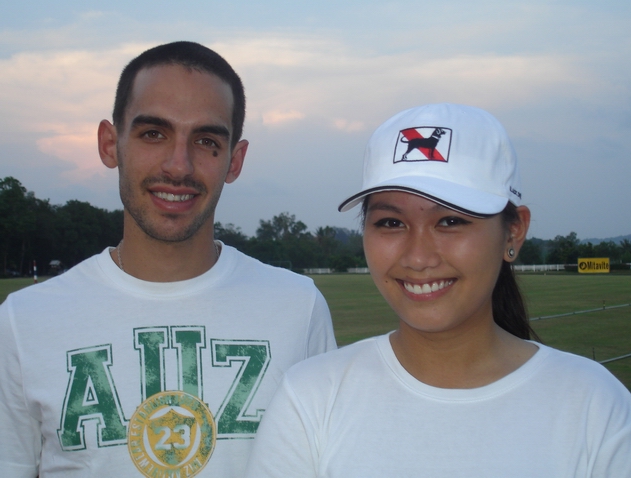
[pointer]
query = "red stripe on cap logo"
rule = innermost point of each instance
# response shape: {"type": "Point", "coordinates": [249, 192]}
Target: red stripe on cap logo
{"type": "Point", "coordinates": [426, 143]}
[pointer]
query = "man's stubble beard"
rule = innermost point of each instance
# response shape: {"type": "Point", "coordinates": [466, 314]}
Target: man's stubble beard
{"type": "Point", "coordinates": [141, 216]}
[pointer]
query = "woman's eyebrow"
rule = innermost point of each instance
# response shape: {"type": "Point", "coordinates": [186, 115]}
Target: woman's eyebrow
{"type": "Point", "coordinates": [383, 206]}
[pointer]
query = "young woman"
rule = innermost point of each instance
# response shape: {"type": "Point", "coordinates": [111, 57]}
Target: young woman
{"type": "Point", "coordinates": [459, 389]}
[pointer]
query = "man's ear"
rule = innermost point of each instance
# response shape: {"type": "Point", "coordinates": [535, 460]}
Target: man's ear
{"type": "Point", "coordinates": [236, 161]}
{"type": "Point", "coordinates": [107, 144]}
{"type": "Point", "coordinates": [517, 233]}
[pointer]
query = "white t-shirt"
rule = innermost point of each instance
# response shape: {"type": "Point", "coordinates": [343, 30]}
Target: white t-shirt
{"type": "Point", "coordinates": [356, 412]}
{"type": "Point", "coordinates": [80, 353]}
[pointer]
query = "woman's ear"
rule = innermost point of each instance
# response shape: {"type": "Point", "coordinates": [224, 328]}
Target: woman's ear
{"type": "Point", "coordinates": [517, 234]}
{"type": "Point", "coordinates": [107, 144]}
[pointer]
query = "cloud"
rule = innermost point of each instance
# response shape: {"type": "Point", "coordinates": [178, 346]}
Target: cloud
{"type": "Point", "coordinates": [315, 95]}
{"type": "Point", "coordinates": [353, 89]}
{"type": "Point", "coordinates": [79, 148]}
{"type": "Point", "coordinates": [276, 116]}
{"type": "Point", "coordinates": [349, 126]}
{"type": "Point", "coordinates": [56, 98]}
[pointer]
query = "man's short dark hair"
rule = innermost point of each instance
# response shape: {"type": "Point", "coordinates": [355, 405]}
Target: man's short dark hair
{"type": "Point", "coordinates": [189, 55]}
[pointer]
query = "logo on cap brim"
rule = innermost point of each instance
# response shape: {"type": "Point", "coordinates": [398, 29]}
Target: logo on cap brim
{"type": "Point", "coordinates": [423, 143]}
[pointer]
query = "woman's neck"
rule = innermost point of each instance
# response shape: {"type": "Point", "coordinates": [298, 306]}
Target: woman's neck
{"type": "Point", "coordinates": [460, 360]}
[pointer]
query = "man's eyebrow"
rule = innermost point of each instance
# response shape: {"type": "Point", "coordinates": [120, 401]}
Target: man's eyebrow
{"type": "Point", "coordinates": [143, 120]}
{"type": "Point", "coordinates": [213, 129]}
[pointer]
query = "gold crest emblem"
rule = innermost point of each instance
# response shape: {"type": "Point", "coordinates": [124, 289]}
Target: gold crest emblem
{"type": "Point", "coordinates": [171, 433]}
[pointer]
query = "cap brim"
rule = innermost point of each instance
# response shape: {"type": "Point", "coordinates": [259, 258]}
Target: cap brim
{"type": "Point", "coordinates": [453, 196]}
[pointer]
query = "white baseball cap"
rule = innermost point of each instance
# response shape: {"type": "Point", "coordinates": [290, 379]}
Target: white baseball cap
{"type": "Point", "coordinates": [455, 155]}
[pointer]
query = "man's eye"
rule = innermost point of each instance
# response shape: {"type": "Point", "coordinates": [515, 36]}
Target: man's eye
{"type": "Point", "coordinates": [207, 142]}
{"type": "Point", "coordinates": [153, 134]}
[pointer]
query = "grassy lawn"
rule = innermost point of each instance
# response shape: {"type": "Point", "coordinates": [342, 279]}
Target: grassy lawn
{"type": "Point", "coordinates": [359, 311]}
{"type": "Point", "coordinates": [559, 293]}
{"type": "Point", "coordinates": [10, 285]}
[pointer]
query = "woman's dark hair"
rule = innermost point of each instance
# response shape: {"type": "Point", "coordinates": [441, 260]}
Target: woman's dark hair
{"type": "Point", "coordinates": [509, 307]}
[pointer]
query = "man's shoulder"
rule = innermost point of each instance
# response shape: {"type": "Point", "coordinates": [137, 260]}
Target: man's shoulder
{"type": "Point", "coordinates": [77, 276]}
{"type": "Point", "coordinates": [255, 269]}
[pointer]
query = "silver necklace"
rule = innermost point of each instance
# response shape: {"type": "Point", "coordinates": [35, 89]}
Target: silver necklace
{"type": "Point", "coordinates": [118, 254]}
{"type": "Point", "coordinates": [120, 261]}
{"type": "Point", "coordinates": [217, 250]}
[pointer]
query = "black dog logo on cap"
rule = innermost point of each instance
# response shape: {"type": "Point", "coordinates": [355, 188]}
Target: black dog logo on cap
{"type": "Point", "coordinates": [429, 143]}
{"type": "Point", "coordinates": [426, 145]}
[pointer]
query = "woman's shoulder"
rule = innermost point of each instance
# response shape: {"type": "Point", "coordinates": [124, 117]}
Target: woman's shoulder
{"type": "Point", "coordinates": [356, 358]}
{"type": "Point", "coordinates": [578, 372]}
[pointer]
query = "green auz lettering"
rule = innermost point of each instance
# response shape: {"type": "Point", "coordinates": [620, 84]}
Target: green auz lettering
{"type": "Point", "coordinates": [91, 395]}
{"type": "Point", "coordinates": [189, 341]}
{"type": "Point", "coordinates": [150, 343]}
{"type": "Point", "coordinates": [233, 420]}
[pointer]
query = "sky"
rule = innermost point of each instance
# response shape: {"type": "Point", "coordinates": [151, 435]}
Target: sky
{"type": "Point", "coordinates": [320, 77]}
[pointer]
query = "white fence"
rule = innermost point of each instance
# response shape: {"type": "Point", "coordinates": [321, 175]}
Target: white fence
{"type": "Point", "coordinates": [539, 267]}
{"type": "Point", "coordinates": [318, 271]}
{"type": "Point", "coordinates": [518, 268]}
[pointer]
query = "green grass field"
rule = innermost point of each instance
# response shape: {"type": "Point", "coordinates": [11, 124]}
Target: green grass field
{"type": "Point", "coordinates": [359, 311]}
{"type": "Point", "coordinates": [9, 285]}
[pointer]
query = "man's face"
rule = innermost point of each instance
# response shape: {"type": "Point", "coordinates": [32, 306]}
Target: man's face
{"type": "Point", "coordinates": [173, 152]}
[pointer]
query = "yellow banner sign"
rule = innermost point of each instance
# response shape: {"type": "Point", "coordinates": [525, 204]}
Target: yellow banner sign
{"type": "Point", "coordinates": [595, 265]}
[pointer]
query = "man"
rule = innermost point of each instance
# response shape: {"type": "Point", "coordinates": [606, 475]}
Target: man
{"type": "Point", "coordinates": [157, 357]}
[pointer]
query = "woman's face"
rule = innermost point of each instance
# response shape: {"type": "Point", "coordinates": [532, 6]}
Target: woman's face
{"type": "Point", "coordinates": [435, 267]}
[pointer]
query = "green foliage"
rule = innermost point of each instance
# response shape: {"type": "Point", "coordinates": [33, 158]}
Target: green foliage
{"type": "Point", "coordinates": [285, 240]}
{"type": "Point", "coordinates": [33, 230]}
{"type": "Point", "coordinates": [564, 250]}
{"type": "Point", "coordinates": [568, 249]}
{"type": "Point", "coordinates": [17, 224]}
{"type": "Point", "coordinates": [531, 252]}
{"type": "Point", "coordinates": [231, 235]}
{"type": "Point", "coordinates": [625, 250]}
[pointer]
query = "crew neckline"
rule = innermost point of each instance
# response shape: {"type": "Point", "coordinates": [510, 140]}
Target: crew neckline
{"type": "Point", "coordinates": [503, 385]}
{"type": "Point", "coordinates": [120, 279]}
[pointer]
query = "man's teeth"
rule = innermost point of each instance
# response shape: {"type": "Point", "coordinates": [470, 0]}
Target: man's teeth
{"type": "Point", "coordinates": [427, 288]}
{"type": "Point", "coordinates": [173, 197]}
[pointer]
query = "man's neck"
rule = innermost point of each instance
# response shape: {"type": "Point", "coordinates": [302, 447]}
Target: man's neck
{"type": "Point", "coordinates": [156, 261]}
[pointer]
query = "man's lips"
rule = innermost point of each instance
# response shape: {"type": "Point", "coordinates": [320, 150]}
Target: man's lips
{"type": "Point", "coordinates": [170, 197]}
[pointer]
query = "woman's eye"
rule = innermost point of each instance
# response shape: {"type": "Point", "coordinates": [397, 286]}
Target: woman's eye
{"type": "Point", "coordinates": [453, 221]}
{"type": "Point", "coordinates": [389, 223]}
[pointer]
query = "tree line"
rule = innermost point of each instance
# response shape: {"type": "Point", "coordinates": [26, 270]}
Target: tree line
{"type": "Point", "coordinates": [567, 250]}
{"type": "Point", "coordinates": [58, 237]}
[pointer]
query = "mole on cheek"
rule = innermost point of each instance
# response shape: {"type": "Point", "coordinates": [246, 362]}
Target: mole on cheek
{"type": "Point", "coordinates": [215, 154]}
